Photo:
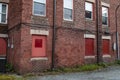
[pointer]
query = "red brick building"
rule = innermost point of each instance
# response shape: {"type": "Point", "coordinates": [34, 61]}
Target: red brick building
{"type": "Point", "coordinates": [29, 26]}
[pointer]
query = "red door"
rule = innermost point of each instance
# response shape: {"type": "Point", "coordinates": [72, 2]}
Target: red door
{"type": "Point", "coordinates": [89, 47]}
{"type": "Point", "coordinates": [38, 46]}
{"type": "Point", "coordinates": [2, 47]}
{"type": "Point", "coordinates": [105, 46]}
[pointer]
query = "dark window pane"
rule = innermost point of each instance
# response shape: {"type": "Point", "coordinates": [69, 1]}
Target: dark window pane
{"type": "Point", "coordinates": [38, 43]}
{"type": "Point", "coordinates": [3, 18]}
{"type": "Point", "coordinates": [105, 20]}
{"type": "Point", "coordinates": [3, 8]}
{"type": "Point", "coordinates": [88, 14]}
{"type": "Point", "coordinates": [67, 13]}
{"type": "Point", "coordinates": [39, 8]}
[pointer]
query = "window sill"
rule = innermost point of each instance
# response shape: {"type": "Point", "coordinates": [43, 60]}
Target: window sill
{"type": "Point", "coordinates": [104, 25]}
{"type": "Point", "coordinates": [89, 57]}
{"type": "Point", "coordinates": [69, 20]}
{"type": "Point", "coordinates": [2, 57]}
{"type": "Point", "coordinates": [40, 58]}
{"type": "Point", "coordinates": [88, 19]}
{"type": "Point", "coordinates": [3, 23]}
{"type": "Point", "coordinates": [106, 56]}
{"type": "Point", "coordinates": [39, 15]}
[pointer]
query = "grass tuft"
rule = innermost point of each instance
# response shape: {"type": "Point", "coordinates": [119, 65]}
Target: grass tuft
{"type": "Point", "coordinates": [6, 77]}
{"type": "Point", "coordinates": [117, 62]}
{"type": "Point", "coordinates": [89, 67]}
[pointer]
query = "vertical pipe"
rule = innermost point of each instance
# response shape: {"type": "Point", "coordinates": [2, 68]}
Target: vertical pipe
{"type": "Point", "coordinates": [54, 33]}
{"type": "Point", "coordinates": [117, 34]}
{"type": "Point", "coordinates": [98, 34]}
{"type": "Point", "coordinates": [97, 31]}
{"type": "Point", "coordinates": [118, 44]}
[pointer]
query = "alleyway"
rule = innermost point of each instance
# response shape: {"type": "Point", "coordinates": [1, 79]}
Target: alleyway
{"type": "Point", "coordinates": [111, 73]}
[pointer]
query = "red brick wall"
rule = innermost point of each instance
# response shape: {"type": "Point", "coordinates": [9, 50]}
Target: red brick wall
{"type": "Point", "coordinates": [70, 47]}
{"type": "Point", "coordinates": [20, 55]}
{"type": "Point", "coordinates": [15, 13]}
{"type": "Point", "coordinates": [13, 55]}
{"type": "Point", "coordinates": [114, 4]}
{"type": "Point", "coordinates": [70, 42]}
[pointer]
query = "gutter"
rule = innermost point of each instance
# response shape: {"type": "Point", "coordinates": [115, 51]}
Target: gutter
{"type": "Point", "coordinates": [98, 34]}
{"type": "Point", "coordinates": [54, 34]}
{"type": "Point", "coordinates": [117, 34]}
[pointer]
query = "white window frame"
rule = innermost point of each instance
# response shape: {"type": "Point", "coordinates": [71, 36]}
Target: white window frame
{"type": "Point", "coordinates": [87, 10]}
{"type": "Point", "coordinates": [107, 16]}
{"type": "Point", "coordinates": [33, 8]}
{"type": "Point", "coordinates": [4, 13]}
{"type": "Point", "coordinates": [68, 8]}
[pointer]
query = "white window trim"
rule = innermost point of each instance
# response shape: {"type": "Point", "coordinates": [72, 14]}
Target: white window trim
{"type": "Point", "coordinates": [39, 58]}
{"type": "Point", "coordinates": [4, 35]}
{"type": "Point", "coordinates": [39, 32]}
{"type": "Point", "coordinates": [106, 37]}
{"type": "Point", "coordinates": [3, 58]}
{"type": "Point", "coordinates": [88, 57]}
{"type": "Point", "coordinates": [39, 14]}
{"type": "Point", "coordinates": [107, 16]}
{"type": "Point", "coordinates": [93, 1]}
{"type": "Point", "coordinates": [6, 14]}
{"type": "Point", "coordinates": [89, 36]}
{"type": "Point", "coordinates": [92, 11]}
{"type": "Point", "coordinates": [106, 56]}
{"type": "Point", "coordinates": [72, 12]}
{"type": "Point", "coordinates": [105, 4]}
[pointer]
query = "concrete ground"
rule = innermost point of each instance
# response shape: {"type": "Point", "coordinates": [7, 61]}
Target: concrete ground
{"type": "Point", "coordinates": [111, 73]}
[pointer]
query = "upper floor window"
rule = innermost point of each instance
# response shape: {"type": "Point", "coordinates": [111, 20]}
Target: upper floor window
{"type": "Point", "coordinates": [88, 10]}
{"type": "Point", "coordinates": [3, 13]}
{"type": "Point", "coordinates": [68, 9]}
{"type": "Point", "coordinates": [39, 7]}
{"type": "Point", "coordinates": [104, 15]}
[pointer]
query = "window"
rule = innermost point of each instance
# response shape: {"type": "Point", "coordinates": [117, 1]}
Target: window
{"type": "Point", "coordinates": [104, 15]}
{"type": "Point", "coordinates": [89, 47]}
{"type": "Point", "coordinates": [68, 9]}
{"type": "Point", "coordinates": [39, 46]}
{"type": "Point", "coordinates": [105, 46]}
{"type": "Point", "coordinates": [88, 10]}
{"type": "Point", "coordinates": [3, 13]}
{"type": "Point", "coordinates": [39, 7]}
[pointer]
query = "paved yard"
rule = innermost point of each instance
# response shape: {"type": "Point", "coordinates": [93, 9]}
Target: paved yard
{"type": "Point", "coordinates": [111, 73]}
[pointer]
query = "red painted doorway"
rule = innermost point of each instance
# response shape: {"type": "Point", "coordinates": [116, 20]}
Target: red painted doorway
{"type": "Point", "coordinates": [3, 46]}
{"type": "Point", "coordinates": [89, 47]}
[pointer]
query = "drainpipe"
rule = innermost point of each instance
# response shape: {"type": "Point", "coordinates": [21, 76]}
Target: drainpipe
{"type": "Point", "coordinates": [54, 33]}
{"type": "Point", "coordinates": [97, 30]}
{"type": "Point", "coordinates": [98, 35]}
{"type": "Point", "coordinates": [117, 34]}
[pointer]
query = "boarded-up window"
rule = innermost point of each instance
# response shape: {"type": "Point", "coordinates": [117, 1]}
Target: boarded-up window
{"type": "Point", "coordinates": [105, 46]}
{"type": "Point", "coordinates": [38, 43]}
{"type": "Point", "coordinates": [38, 46]}
{"type": "Point", "coordinates": [89, 47]}
{"type": "Point", "coordinates": [2, 47]}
